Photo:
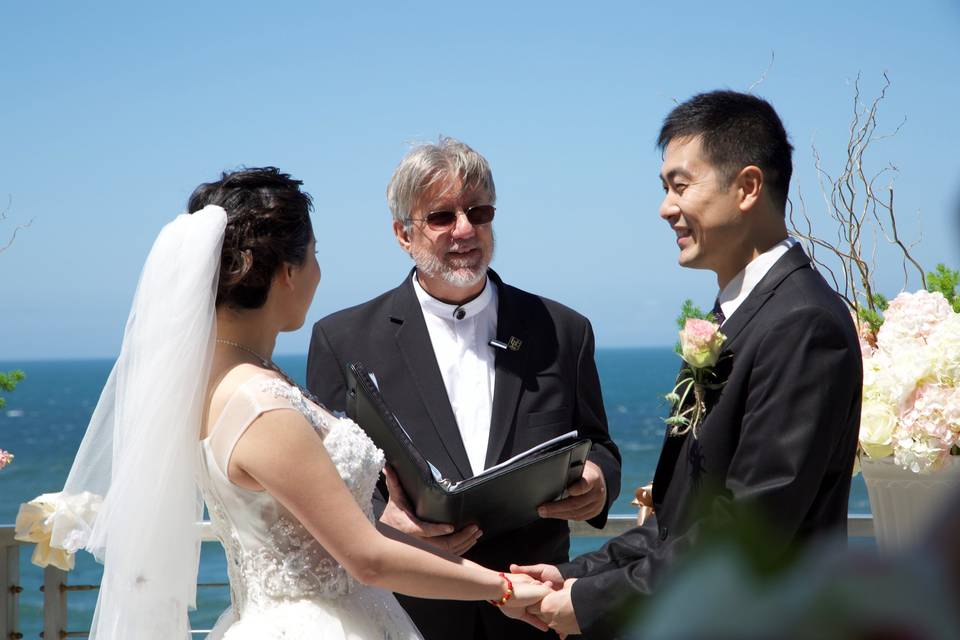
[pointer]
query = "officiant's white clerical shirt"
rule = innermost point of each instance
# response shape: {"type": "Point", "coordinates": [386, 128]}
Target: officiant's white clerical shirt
{"type": "Point", "coordinates": [744, 282]}
{"type": "Point", "coordinates": [461, 337]}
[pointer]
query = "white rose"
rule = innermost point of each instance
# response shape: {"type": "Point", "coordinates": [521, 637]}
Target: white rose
{"type": "Point", "coordinates": [877, 422]}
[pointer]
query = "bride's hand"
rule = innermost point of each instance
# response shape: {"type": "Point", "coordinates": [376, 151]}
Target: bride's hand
{"type": "Point", "coordinates": [526, 591]}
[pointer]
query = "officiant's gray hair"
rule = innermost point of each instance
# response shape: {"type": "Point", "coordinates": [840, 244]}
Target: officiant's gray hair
{"type": "Point", "coordinates": [427, 165]}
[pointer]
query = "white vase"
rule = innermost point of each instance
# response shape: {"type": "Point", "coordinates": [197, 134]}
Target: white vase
{"type": "Point", "coordinates": [903, 502]}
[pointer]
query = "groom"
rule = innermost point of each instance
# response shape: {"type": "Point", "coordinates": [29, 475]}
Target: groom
{"type": "Point", "coordinates": [780, 437]}
{"type": "Point", "coordinates": [477, 371]}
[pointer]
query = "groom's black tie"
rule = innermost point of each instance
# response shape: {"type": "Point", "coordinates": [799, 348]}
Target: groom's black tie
{"type": "Point", "coordinates": [717, 312]}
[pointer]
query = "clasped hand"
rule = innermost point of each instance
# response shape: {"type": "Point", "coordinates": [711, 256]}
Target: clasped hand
{"type": "Point", "coordinates": [541, 597]}
{"type": "Point", "coordinates": [554, 610]}
{"type": "Point", "coordinates": [528, 593]}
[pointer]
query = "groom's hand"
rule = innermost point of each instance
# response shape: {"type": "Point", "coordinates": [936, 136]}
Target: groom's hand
{"type": "Point", "coordinates": [588, 496]}
{"type": "Point", "coordinates": [556, 611]}
{"type": "Point", "coordinates": [526, 592]}
{"type": "Point", "coordinates": [399, 515]}
{"type": "Point", "coordinates": [541, 573]}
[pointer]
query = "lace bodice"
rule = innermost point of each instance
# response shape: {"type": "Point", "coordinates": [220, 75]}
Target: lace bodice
{"type": "Point", "coordinates": [271, 558]}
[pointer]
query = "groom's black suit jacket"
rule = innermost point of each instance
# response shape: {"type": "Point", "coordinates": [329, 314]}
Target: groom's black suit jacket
{"type": "Point", "coordinates": [544, 389]}
{"type": "Point", "coordinates": [778, 443]}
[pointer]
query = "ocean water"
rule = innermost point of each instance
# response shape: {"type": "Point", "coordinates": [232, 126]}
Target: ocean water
{"type": "Point", "coordinates": [46, 416]}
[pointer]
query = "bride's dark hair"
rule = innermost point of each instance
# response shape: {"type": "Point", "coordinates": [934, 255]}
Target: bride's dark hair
{"type": "Point", "coordinates": [268, 224]}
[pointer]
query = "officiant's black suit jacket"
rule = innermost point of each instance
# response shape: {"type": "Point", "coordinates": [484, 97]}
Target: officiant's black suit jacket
{"type": "Point", "coordinates": [543, 389]}
{"type": "Point", "coordinates": [778, 443]}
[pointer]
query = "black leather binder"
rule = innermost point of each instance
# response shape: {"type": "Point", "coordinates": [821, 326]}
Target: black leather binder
{"type": "Point", "coordinates": [501, 498]}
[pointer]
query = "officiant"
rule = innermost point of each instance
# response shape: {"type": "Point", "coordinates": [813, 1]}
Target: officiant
{"type": "Point", "coordinates": [476, 371]}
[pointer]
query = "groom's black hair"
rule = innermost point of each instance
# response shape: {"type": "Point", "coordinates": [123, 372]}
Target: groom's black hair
{"type": "Point", "coordinates": [268, 224]}
{"type": "Point", "coordinates": [736, 130]}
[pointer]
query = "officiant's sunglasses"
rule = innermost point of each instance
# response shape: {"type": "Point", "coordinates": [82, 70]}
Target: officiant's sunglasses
{"type": "Point", "coordinates": [443, 220]}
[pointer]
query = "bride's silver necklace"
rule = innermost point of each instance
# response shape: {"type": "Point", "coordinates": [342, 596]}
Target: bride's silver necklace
{"type": "Point", "coordinates": [270, 364]}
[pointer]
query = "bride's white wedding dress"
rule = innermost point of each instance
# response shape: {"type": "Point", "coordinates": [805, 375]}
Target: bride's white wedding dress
{"type": "Point", "coordinates": [131, 498]}
{"type": "Point", "coordinates": [283, 583]}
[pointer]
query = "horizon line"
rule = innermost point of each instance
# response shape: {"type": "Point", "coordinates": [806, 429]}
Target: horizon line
{"type": "Point", "coordinates": [8, 362]}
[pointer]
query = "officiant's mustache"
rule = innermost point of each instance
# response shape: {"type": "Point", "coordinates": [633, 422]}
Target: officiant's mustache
{"type": "Point", "coordinates": [462, 246]}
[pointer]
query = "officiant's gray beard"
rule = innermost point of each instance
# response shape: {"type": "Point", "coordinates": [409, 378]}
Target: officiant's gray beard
{"type": "Point", "coordinates": [429, 264]}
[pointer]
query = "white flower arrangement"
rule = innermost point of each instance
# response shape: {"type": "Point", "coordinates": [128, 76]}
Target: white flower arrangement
{"type": "Point", "coordinates": [911, 383]}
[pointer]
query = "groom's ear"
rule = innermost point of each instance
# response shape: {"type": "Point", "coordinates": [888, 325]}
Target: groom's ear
{"type": "Point", "coordinates": [749, 184]}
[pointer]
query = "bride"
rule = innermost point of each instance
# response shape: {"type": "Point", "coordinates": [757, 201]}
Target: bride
{"type": "Point", "coordinates": [195, 404]}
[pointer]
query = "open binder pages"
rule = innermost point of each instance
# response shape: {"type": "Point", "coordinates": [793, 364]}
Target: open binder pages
{"type": "Point", "coordinates": [568, 438]}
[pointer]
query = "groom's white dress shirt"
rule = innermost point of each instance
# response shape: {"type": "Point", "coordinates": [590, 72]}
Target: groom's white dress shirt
{"type": "Point", "coordinates": [744, 282]}
{"type": "Point", "coordinates": [461, 336]}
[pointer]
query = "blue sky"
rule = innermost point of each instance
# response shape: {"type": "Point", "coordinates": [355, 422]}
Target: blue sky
{"type": "Point", "coordinates": [112, 113]}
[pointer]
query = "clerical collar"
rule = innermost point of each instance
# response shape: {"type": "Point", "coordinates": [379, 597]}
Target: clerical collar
{"type": "Point", "coordinates": [449, 311]}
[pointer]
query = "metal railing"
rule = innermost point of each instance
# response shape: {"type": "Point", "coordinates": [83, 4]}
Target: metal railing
{"type": "Point", "coordinates": [56, 589]}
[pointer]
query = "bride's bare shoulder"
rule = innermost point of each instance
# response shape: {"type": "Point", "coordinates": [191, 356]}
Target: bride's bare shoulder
{"type": "Point", "coordinates": [235, 377]}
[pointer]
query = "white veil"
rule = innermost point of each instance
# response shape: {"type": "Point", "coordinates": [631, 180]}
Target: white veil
{"type": "Point", "coordinates": [141, 449]}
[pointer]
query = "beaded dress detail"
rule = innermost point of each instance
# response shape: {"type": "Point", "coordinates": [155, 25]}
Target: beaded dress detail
{"type": "Point", "coordinates": [283, 583]}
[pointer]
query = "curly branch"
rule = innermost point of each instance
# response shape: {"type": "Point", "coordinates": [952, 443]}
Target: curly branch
{"type": "Point", "coordinates": [763, 76]}
{"type": "Point", "coordinates": [17, 229]}
{"type": "Point", "coordinates": [862, 216]}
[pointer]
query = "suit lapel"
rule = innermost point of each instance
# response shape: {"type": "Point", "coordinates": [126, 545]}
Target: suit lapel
{"type": "Point", "coordinates": [414, 344]}
{"type": "Point", "coordinates": [510, 367]}
{"type": "Point", "coordinates": [789, 262]}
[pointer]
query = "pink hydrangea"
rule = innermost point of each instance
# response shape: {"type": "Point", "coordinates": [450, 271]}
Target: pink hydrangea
{"type": "Point", "coordinates": [920, 455]}
{"type": "Point", "coordinates": [935, 414]}
{"type": "Point", "coordinates": [912, 317]}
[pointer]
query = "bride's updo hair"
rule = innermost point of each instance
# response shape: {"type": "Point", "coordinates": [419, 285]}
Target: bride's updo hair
{"type": "Point", "coordinates": [268, 224]}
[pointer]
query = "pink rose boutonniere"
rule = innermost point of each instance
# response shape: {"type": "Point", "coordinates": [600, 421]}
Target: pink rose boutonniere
{"type": "Point", "coordinates": [700, 344]}
{"type": "Point", "coordinates": [5, 458]}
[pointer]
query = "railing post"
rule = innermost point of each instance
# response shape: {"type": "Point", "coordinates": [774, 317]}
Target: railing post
{"type": "Point", "coordinates": [54, 603]}
{"type": "Point", "coordinates": [9, 588]}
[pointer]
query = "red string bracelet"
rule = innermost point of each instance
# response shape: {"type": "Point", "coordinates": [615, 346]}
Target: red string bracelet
{"type": "Point", "coordinates": [507, 594]}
